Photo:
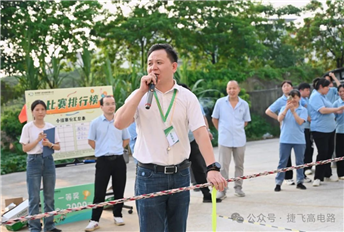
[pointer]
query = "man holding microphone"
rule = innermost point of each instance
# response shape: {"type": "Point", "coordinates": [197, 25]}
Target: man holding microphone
{"type": "Point", "coordinates": [162, 147]}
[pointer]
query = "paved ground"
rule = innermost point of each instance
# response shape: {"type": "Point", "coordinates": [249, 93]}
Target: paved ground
{"type": "Point", "coordinates": [314, 209]}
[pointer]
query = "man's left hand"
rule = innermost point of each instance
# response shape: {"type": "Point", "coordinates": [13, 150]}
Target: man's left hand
{"type": "Point", "coordinates": [217, 180]}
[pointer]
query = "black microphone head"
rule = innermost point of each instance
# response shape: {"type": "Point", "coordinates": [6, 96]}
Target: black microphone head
{"type": "Point", "coordinates": [151, 86]}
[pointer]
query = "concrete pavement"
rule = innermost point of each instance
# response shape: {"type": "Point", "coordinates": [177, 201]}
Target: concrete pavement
{"type": "Point", "coordinates": [314, 209]}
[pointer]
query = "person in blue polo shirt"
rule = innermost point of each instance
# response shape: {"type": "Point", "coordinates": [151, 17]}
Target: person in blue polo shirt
{"type": "Point", "coordinates": [323, 127]}
{"type": "Point", "coordinates": [230, 116]}
{"type": "Point", "coordinates": [340, 132]}
{"type": "Point", "coordinates": [332, 94]}
{"type": "Point", "coordinates": [292, 116]}
{"type": "Point", "coordinates": [108, 143]}
{"type": "Point", "coordinates": [133, 136]}
{"type": "Point", "coordinates": [272, 112]}
{"type": "Point", "coordinates": [305, 89]}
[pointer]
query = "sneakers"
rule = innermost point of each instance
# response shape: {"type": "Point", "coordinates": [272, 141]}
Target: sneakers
{"type": "Point", "coordinates": [93, 225]}
{"type": "Point", "coordinates": [55, 230]}
{"type": "Point", "coordinates": [207, 199]}
{"type": "Point", "coordinates": [331, 179]}
{"type": "Point", "coordinates": [278, 188]}
{"type": "Point", "coordinates": [239, 193]}
{"type": "Point", "coordinates": [290, 182]}
{"type": "Point", "coordinates": [307, 180]}
{"type": "Point", "coordinates": [221, 195]}
{"type": "Point", "coordinates": [309, 172]}
{"type": "Point", "coordinates": [316, 183]}
{"type": "Point", "coordinates": [301, 186]}
{"type": "Point", "coordinates": [118, 221]}
{"type": "Point", "coordinates": [341, 178]}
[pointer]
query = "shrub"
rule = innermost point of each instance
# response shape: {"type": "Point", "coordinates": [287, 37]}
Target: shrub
{"type": "Point", "coordinates": [258, 127]}
{"type": "Point", "coordinates": [13, 160]}
{"type": "Point", "coordinates": [10, 123]}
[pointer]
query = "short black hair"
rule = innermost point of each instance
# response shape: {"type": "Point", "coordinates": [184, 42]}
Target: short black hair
{"type": "Point", "coordinates": [303, 86]}
{"type": "Point", "coordinates": [294, 92]}
{"type": "Point", "coordinates": [171, 53]}
{"type": "Point", "coordinates": [101, 101]}
{"type": "Point", "coordinates": [340, 86]}
{"type": "Point", "coordinates": [328, 75]}
{"type": "Point", "coordinates": [38, 102]}
{"type": "Point", "coordinates": [185, 86]}
{"type": "Point", "coordinates": [320, 81]}
{"type": "Point", "coordinates": [287, 81]}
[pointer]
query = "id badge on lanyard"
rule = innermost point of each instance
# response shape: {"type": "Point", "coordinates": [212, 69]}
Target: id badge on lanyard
{"type": "Point", "coordinates": [170, 133]}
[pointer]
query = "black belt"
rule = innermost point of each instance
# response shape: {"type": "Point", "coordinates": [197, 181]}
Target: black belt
{"type": "Point", "coordinates": [110, 157]}
{"type": "Point", "coordinates": [169, 169]}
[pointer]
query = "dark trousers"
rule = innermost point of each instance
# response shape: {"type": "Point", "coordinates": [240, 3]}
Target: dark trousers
{"type": "Point", "coordinates": [289, 174]}
{"type": "Point", "coordinates": [198, 167]}
{"type": "Point", "coordinates": [107, 167]}
{"type": "Point", "coordinates": [340, 153]}
{"type": "Point", "coordinates": [309, 148]}
{"type": "Point", "coordinates": [325, 146]}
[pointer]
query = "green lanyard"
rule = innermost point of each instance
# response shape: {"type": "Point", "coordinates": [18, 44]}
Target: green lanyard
{"type": "Point", "coordinates": [164, 118]}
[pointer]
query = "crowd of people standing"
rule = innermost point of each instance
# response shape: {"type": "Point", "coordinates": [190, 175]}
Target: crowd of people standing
{"type": "Point", "coordinates": [174, 134]}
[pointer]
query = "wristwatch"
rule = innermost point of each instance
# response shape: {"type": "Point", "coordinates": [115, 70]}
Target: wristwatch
{"type": "Point", "coordinates": [52, 145]}
{"type": "Point", "coordinates": [214, 167]}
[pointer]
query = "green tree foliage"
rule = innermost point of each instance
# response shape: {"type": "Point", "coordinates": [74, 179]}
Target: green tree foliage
{"type": "Point", "coordinates": [42, 30]}
{"type": "Point", "coordinates": [130, 37]}
{"type": "Point", "coordinates": [9, 92]}
{"type": "Point", "coordinates": [216, 32]}
{"type": "Point", "coordinates": [322, 35]}
{"type": "Point", "coordinates": [10, 124]}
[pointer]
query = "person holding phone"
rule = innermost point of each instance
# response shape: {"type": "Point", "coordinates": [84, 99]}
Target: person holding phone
{"type": "Point", "coordinates": [332, 94]}
{"type": "Point", "coordinates": [273, 110]}
{"type": "Point", "coordinates": [292, 116]}
{"type": "Point", "coordinates": [33, 139]}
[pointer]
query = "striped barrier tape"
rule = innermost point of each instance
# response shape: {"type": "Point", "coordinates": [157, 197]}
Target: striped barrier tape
{"type": "Point", "coordinates": [162, 193]}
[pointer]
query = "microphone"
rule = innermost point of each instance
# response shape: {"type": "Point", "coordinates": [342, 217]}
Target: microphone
{"type": "Point", "coordinates": [150, 94]}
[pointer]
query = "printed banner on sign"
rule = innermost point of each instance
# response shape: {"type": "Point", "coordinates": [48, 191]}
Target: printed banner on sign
{"type": "Point", "coordinates": [71, 110]}
{"type": "Point", "coordinates": [72, 197]}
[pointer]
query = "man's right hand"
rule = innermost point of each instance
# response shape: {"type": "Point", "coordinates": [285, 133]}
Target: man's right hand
{"type": "Point", "coordinates": [146, 80]}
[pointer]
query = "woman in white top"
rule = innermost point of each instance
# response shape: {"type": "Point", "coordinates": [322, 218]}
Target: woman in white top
{"type": "Point", "coordinates": [33, 139]}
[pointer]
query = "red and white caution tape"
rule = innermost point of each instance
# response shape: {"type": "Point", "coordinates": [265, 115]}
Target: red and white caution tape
{"type": "Point", "coordinates": [161, 193]}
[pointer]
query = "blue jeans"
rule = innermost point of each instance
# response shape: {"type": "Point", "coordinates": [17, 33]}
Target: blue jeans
{"type": "Point", "coordinates": [162, 213]}
{"type": "Point", "coordinates": [285, 152]}
{"type": "Point", "coordinates": [37, 166]}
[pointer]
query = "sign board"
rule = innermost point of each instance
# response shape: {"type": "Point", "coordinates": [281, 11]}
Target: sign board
{"type": "Point", "coordinates": [71, 110]}
{"type": "Point", "coordinates": [72, 197]}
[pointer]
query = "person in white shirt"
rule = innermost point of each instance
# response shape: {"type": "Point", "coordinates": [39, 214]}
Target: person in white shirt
{"type": "Point", "coordinates": [230, 116]}
{"type": "Point", "coordinates": [162, 147]}
{"type": "Point", "coordinates": [39, 165]}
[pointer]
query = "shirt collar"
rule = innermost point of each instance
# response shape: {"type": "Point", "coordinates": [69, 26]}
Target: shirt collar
{"type": "Point", "coordinates": [239, 99]}
{"type": "Point", "coordinates": [104, 119]}
{"type": "Point", "coordinates": [300, 106]}
{"type": "Point", "coordinates": [175, 86]}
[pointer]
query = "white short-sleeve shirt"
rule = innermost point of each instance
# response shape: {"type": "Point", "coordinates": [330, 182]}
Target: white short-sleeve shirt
{"type": "Point", "coordinates": [231, 122]}
{"type": "Point", "coordinates": [30, 133]}
{"type": "Point", "coordinates": [151, 145]}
